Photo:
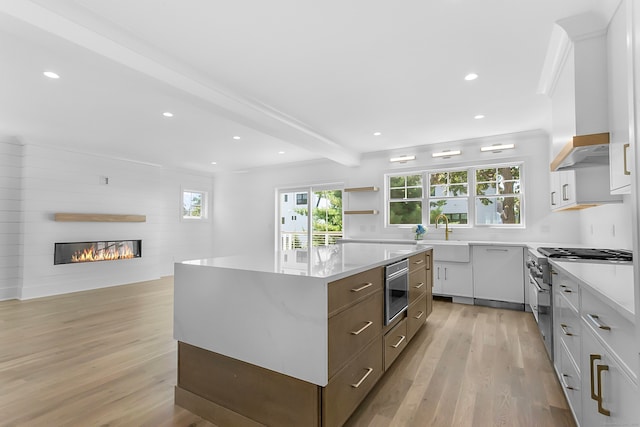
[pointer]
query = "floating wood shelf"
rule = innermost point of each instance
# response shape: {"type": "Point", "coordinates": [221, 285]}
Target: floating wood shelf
{"type": "Point", "coordinates": [79, 217]}
{"type": "Point", "coordinates": [367, 212]}
{"type": "Point", "coordinates": [360, 189]}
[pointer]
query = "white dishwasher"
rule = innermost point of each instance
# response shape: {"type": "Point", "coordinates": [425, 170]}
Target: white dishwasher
{"type": "Point", "coordinates": [498, 276]}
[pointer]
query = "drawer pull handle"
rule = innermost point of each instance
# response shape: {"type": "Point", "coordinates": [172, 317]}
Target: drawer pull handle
{"type": "Point", "coordinates": [362, 329]}
{"type": "Point", "coordinates": [624, 152]}
{"type": "Point", "coordinates": [402, 337]}
{"type": "Point", "coordinates": [419, 315]}
{"type": "Point", "coordinates": [564, 382]}
{"type": "Point", "coordinates": [567, 290]}
{"type": "Point", "coordinates": [564, 330]}
{"type": "Point", "coordinates": [601, 409]}
{"type": "Point", "coordinates": [420, 261]}
{"type": "Point", "coordinates": [356, 385]}
{"type": "Point", "coordinates": [419, 285]}
{"type": "Point", "coordinates": [596, 321]}
{"type": "Point", "coordinates": [365, 286]}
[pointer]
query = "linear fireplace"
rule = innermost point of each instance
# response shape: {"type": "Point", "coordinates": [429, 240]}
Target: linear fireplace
{"type": "Point", "coordinates": [78, 252]}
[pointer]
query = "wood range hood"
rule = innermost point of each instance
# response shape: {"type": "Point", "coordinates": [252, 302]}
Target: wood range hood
{"type": "Point", "coordinates": [583, 151]}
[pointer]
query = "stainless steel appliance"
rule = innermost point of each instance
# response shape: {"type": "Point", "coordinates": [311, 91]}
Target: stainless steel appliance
{"type": "Point", "coordinates": [588, 254]}
{"type": "Point", "coordinates": [396, 290]}
{"type": "Point", "coordinates": [540, 296]}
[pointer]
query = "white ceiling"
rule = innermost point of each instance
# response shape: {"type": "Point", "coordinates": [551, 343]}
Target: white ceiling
{"type": "Point", "coordinates": [314, 79]}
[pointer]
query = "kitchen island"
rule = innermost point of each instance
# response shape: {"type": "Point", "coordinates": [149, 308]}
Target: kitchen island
{"type": "Point", "coordinates": [291, 338]}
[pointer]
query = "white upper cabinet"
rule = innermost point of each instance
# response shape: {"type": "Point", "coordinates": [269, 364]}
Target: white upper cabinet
{"type": "Point", "coordinates": [581, 188]}
{"type": "Point", "coordinates": [619, 67]}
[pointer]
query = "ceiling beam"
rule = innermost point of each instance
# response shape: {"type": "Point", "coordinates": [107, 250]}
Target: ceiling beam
{"type": "Point", "coordinates": [249, 112]}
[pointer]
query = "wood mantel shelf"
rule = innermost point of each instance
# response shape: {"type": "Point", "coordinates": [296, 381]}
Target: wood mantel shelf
{"type": "Point", "coordinates": [81, 217]}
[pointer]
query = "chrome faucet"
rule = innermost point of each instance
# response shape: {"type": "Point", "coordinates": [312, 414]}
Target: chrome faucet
{"type": "Point", "coordinates": [446, 225]}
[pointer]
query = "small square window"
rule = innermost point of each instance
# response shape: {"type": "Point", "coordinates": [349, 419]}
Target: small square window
{"type": "Point", "coordinates": [194, 204]}
{"type": "Point", "coordinates": [301, 198]}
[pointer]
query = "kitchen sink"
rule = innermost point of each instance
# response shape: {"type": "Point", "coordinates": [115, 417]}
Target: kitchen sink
{"type": "Point", "coordinates": [448, 250]}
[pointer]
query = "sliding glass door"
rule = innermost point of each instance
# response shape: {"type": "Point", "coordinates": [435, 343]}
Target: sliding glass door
{"type": "Point", "coordinates": [309, 214]}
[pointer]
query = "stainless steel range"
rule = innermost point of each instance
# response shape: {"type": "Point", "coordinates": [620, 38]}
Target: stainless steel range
{"type": "Point", "coordinates": [540, 298]}
{"type": "Point", "coordinates": [587, 254]}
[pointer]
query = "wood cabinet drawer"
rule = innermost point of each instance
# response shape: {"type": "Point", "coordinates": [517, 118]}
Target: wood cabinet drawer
{"type": "Point", "coordinates": [347, 389]}
{"type": "Point", "coordinates": [349, 290]}
{"type": "Point", "coordinates": [569, 288]}
{"type": "Point", "coordinates": [352, 329]}
{"type": "Point", "coordinates": [417, 284]}
{"type": "Point", "coordinates": [570, 381]}
{"type": "Point", "coordinates": [417, 261]}
{"type": "Point", "coordinates": [416, 316]}
{"type": "Point", "coordinates": [617, 332]}
{"type": "Point", "coordinates": [567, 326]}
{"type": "Point", "coordinates": [394, 342]}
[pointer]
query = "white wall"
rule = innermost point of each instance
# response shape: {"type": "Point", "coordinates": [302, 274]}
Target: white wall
{"type": "Point", "coordinates": [608, 226]}
{"type": "Point", "coordinates": [10, 212]}
{"type": "Point", "coordinates": [245, 208]}
{"type": "Point", "coordinates": [61, 181]}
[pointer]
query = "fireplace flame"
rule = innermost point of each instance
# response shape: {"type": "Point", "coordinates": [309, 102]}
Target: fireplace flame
{"type": "Point", "coordinates": [108, 253]}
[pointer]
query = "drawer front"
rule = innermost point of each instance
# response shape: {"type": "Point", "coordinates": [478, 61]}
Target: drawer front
{"type": "Point", "coordinates": [417, 284]}
{"type": "Point", "coordinates": [568, 288]}
{"type": "Point", "coordinates": [352, 329]}
{"type": "Point", "coordinates": [416, 316]}
{"type": "Point", "coordinates": [570, 381]}
{"type": "Point", "coordinates": [349, 290]}
{"type": "Point", "coordinates": [417, 261]}
{"type": "Point", "coordinates": [346, 390]}
{"type": "Point", "coordinates": [616, 331]}
{"type": "Point", "coordinates": [394, 342]}
{"type": "Point", "coordinates": [568, 327]}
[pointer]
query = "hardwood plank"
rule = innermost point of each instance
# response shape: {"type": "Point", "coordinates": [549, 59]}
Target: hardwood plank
{"type": "Point", "coordinates": [107, 357]}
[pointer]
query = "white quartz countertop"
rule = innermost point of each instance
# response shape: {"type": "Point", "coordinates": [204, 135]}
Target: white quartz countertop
{"type": "Point", "coordinates": [330, 262]}
{"type": "Point", "coordinates": [611, 281]}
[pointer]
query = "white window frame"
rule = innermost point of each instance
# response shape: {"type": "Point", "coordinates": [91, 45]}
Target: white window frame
{"type": "Point", "coordinates": [471, 195]}
{"type": "Point", "coordinates": [204, 217]}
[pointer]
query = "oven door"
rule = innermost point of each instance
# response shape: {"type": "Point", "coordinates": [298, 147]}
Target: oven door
{"type": "Point", "coordinates": [534, 290]}
{"type": "Point", "coordinates": [543, 312]}
{"type": "Point", "coordinates": [396, 289]}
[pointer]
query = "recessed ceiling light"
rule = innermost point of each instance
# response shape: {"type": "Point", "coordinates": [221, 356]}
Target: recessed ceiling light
{"type": "Point", "coordinates": [236, 137]}
{"type": "Point", "coordinates": [51, 75]}
{"type": "Point", "coordinates": [479, 116]}
{"type": "Point", "coordinates": [470, 76]}
{"type": "Point", "coordinates": [167, 114]}
{"type": "Point", "coordinates": [377, 133]}
{"type": "Point", "coordinates": [280, 152]}
{"type": "Point", "coordinates": [214, 163]}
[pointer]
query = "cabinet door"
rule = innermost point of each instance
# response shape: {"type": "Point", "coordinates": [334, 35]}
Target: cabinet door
{"type": "Point", "coordinates": [567, 188]}
{"type": "Point", "coordinates": [618, 83]}
{"type": "Point", "coordinates": [609, 397]}
{"type": "Point", "coordinates": [438, 278]}
{"type": "Point", "coordinates": [554, 190]}
{"type": "Point", "coordinates": [498, 274]}
{"type": "Point", "coordinates": [452, 279]}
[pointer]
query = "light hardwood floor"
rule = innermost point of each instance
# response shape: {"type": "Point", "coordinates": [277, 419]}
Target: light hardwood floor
{"type": "Point", "coordinates": [107, 358]}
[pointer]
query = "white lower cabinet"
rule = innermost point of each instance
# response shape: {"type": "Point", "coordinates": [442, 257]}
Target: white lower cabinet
{"type": "Point", "coordinates": [591, 355]}
{"type": "Point", "coordinates": [452, 279]}
{"type": "Point", "coordinates": [498, 273]}
{"type": "Point", "coordinates": [609, 397]}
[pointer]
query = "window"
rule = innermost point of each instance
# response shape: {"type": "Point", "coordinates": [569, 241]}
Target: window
{"type": "Point", "coordinates": [301, 199]}
{"type": "Point", "coordinates": [194, 204]}
{"type": "Point", "coordinates": [405, 199]}
{"type": "Point", "coordinates": [498, 196]}
{"type": "Point", "coordinates": [489, 195]}
{"type": "Point", "coordinates": [448, 195]}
